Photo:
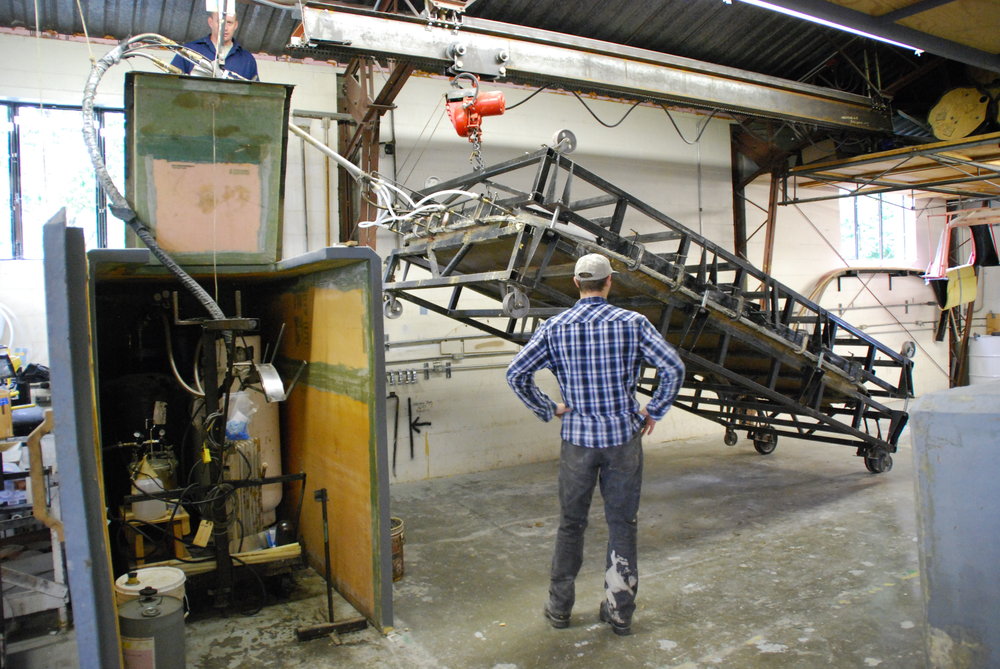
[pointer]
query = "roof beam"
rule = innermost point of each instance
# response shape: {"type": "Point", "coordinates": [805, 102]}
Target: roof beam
{"type": "Point", "coordinates": [915, 8]}
{"type": "Point", "coordinates": [576, 63]}
{"type": "Point", "coordinates": [851, 18]}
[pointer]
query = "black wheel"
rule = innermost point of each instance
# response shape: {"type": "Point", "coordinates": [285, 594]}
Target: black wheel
{"type": "Point", "coordinates": [879, 463]}
{"type": "Point", "coordinates": [765, 442]}
{"type": "Point", "coordinates": [730, 438]}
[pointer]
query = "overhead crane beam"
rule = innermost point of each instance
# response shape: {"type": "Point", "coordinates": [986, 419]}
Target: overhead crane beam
{"type": "Point", "coordinates": [527, 55]}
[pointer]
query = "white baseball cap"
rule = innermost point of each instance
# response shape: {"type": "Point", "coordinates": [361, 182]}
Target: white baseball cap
{"type": "Point", "coordinates": [593, 267]}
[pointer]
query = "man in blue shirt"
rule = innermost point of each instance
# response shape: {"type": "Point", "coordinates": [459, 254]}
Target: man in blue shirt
{"type": "Point", "coordinates": [596, 352]}
{"type": "Point", "coordinates": [236, 59]}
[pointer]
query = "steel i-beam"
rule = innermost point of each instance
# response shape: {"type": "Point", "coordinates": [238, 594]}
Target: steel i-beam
{"type": "Point", "coordinates": [527, 55]}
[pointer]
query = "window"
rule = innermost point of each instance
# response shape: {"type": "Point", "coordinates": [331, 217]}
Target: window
{"type": "Point", "coordinates": [48, 168]}
{"type": "Point", "coordinates": [6, 212]}
{"type": "Point", "coordinates": [877, 227]}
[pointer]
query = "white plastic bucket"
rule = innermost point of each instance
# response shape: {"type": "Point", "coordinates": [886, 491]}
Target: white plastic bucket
{"type": "Point", "coordinates": [168, 581]}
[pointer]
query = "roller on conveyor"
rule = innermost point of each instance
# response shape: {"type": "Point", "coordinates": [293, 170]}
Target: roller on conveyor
{"type": "Point", "coordinates": [761, 359]}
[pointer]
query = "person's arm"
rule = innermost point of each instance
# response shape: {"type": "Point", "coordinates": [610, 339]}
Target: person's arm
{"type": "Point", "coordinates": [670, 374]}
{"type": "Point", "coordinates": [521, 378]}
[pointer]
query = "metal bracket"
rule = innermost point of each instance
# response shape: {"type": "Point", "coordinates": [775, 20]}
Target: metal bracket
{"type": "Point", "coordinates": [487, 63]}
{"type": "Point", "coordinates": [635, 253]}
{"type": "Point", "coordinates": [238, 324]}
{"type": "Point", "coordinates": [445, 13]}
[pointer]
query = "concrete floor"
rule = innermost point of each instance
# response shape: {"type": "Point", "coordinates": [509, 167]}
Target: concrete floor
{"type": "Point", "coordinates": [797, 559]}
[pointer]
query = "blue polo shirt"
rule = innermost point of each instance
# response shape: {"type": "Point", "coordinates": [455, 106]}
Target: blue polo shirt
{"type": "Point", "coordinates": [238, 60]}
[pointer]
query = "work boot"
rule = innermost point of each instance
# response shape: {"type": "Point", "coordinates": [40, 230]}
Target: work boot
{"type": "Point", "coordinates": [558, 620]}
{"type": "Point", "coordinates": [619, 628]}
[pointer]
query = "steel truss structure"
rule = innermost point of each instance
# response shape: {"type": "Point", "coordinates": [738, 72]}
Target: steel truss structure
{"type": "Point", "coordinates": [961, 168]}
{"type": "Point", "coordinates": [760, 358]}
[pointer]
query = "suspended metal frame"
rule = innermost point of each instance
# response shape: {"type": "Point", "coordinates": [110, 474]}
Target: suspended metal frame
{"type": "Point", "coordinates": [962, 168]}
{"type": "Point", "coordinates": [761, 359]}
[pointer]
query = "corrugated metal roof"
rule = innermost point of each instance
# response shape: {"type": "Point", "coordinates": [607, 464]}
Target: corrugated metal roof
{"type": "Point", "coordinates": [262, 28]}
{"type": "Point", "coordinates": [736, 35]}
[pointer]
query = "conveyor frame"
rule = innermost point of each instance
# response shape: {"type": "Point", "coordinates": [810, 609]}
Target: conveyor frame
{"type": "Point", "coordinates": [760, 357]}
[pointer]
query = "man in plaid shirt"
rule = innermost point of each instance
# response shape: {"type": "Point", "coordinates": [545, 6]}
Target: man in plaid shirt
{"type": "Point", "coordinates": [596, 352]}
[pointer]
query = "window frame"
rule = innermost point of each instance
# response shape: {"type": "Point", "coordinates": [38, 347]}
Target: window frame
{"type": "Point", "coordinates": [14, 165]}
{"type": "Point", "coordinates": [882, 204]}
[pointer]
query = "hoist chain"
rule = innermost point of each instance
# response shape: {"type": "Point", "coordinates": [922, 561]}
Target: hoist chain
{"type": "Point", "coordinates": [477, 157]}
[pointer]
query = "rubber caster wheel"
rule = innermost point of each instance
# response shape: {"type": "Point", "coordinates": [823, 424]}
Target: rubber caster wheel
{"type": "Point", "coordinates": [730, 438]}
{"type": "Point", "coordinates": [765, 442]}
{"type": "Point", "coordinates": [879, 463]}
{"type": "Point", "coordinates": [516, 304]}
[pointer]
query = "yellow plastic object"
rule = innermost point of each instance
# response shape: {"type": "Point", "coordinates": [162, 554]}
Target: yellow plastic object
{"type": "Point", "coordinates": [961, 286]}
{"type": "Point", "coordinates": [958, 113]}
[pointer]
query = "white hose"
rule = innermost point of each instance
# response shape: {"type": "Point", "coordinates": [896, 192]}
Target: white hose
{"type": "Point", "coordinates": [351, 168]}
{"type": "Point", "coordinates": [469, 195]}
{"type": "Point", "coordinates": [173, 364]}
{"type": "Point", "coordinates": [9, 320]}
{"type": "Point", "coordinates": [119, 206]}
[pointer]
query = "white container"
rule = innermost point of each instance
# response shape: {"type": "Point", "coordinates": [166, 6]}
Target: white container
{"type": "Point", "coordinates": [264, 426]}
{"type": "Point", "coordinates": [168, 581]}
{"type": "Point", "coordinates": [984, 359]}
{"type": "Point", "coordinates": [149, 509]}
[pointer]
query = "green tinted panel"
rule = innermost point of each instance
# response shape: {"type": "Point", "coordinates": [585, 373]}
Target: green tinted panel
{"type": "Point", "coordinates": [205, 165]}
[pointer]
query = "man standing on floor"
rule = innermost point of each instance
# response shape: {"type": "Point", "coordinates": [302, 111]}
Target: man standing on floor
{"type": "Point", "coordinates": [235, 58]}
{"type": "Point", "coordinates": [596, 352]}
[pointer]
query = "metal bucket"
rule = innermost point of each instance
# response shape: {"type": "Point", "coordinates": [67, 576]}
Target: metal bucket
{"type": "Point", "coordinates": [398, 539]}
{"type": "Point", "coordinates": [152, 631]}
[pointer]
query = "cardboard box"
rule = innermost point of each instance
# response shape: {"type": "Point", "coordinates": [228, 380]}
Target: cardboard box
{"type": "Point", "coordinates": [6, 415]}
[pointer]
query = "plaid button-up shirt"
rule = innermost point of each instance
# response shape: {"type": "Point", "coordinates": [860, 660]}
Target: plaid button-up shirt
{"type": "Point", "coordinates": [596, 352]}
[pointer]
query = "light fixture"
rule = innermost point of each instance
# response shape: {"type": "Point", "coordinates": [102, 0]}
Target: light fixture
{"type": "Point", "coordinates": [830, 24]}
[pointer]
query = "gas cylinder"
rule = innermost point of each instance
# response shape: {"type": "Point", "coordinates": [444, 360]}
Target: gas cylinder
{"type": "Point", "coordinates": [152, 631]}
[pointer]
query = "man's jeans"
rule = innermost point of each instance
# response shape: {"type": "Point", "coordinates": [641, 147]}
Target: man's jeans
{"type": "Point", "coordinates": [619, 470]}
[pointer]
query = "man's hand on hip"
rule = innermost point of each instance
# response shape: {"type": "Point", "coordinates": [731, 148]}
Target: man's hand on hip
{"type": "Point", "coordinates": [648, 423]}
{"type": "Point", "coordinates": [561, 409]}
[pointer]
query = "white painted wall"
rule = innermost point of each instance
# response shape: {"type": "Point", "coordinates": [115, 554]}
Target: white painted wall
{"type": "Point", "coordinates": [476, 421]}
